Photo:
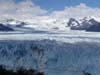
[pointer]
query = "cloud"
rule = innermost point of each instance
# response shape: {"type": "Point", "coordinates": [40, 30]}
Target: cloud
{"type": "Point", "coordinates": [29, 7]}
{"type": "Point", "coordinates": [77, 12]}
{"type": "Point", "coordinates": [25, 9]}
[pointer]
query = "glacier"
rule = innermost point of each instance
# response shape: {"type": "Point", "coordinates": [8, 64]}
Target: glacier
{"type": "Point", "coordinates": [54, 53]}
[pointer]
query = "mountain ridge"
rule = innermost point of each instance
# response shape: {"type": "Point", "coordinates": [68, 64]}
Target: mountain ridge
{"type": "Point", "coordinates": [86, 23]}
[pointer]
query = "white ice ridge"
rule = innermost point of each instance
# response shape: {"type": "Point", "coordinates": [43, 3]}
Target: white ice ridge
{"type": "Point", "coordinates": [68, 36]}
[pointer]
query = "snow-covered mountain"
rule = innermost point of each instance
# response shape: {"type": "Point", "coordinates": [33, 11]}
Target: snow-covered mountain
{"type": "Point", "coordinates": [5, 28]}
{"type": "Point", "coordinates": [49, 24]}
{"type": "Point", "coordinates": [86, 23]}
{"type": "Point", "coordinates": [13, 22]}
{"type": "Point", "coordinates": [17, 25]}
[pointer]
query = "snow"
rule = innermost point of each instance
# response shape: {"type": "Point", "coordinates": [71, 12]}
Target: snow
{"type": "Point", "coordinates": [68, 36]}
{"type": "Point", "coordinates": [49, 24]}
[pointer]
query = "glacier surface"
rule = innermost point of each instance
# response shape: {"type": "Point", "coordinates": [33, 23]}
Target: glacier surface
{"type": "Point", "coordinates": [55, 53]}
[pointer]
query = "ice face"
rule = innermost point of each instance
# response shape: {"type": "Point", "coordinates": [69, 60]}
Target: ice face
{"type": "Point", "coordinates": [52, 57]}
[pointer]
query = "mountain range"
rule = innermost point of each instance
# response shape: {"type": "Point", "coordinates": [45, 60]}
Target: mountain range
{"type": "Point", "coordinates": [86, 24]}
